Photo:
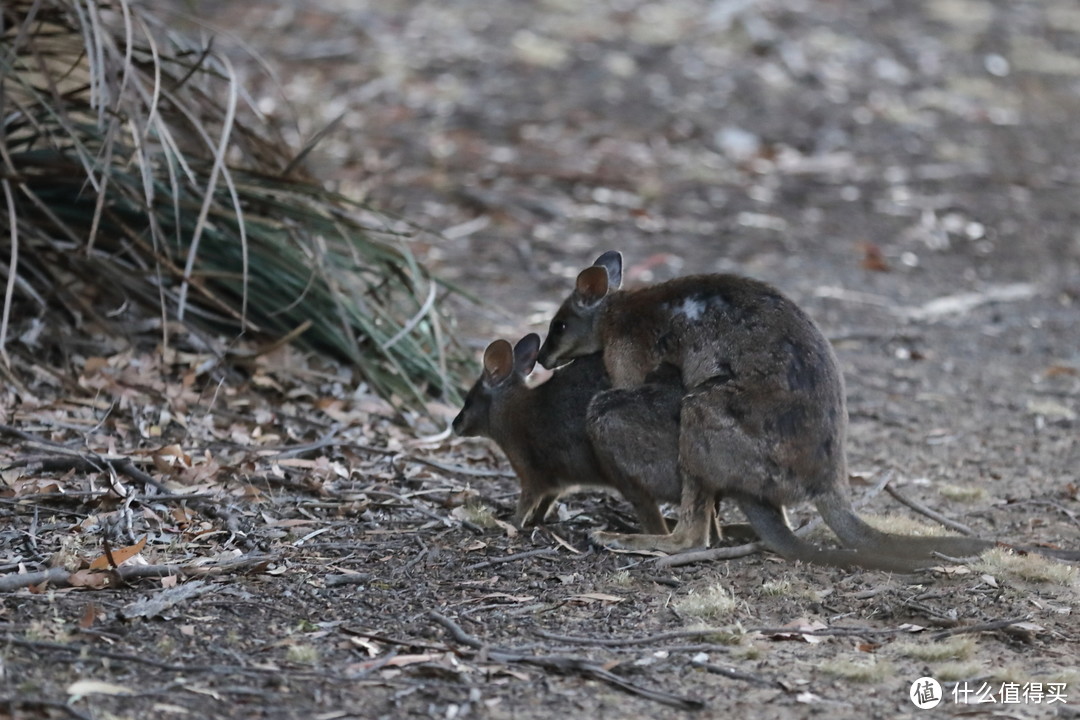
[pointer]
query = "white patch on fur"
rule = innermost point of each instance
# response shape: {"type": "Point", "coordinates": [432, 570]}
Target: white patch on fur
{"type": "Point", "coordinates": [691, 308]}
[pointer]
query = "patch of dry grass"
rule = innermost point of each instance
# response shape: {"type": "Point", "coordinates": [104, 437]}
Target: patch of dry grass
{"type": "Point", "coordinates": [714, 602]}
{"type": "Point", "coordinates": [955, 648]}
{"type": "Point", "coordinates": [1000, 562]}
{"type": "Point", "coordinates": [962, 493]}
{"type": "Point", "coordinates": [872, 671]}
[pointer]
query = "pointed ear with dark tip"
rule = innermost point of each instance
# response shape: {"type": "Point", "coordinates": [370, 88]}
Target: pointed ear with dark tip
{"type": "Point", "coordinates": [612, 262]}
{"type": "Point", "coordinates": [592, 285]}
{"type": "Point", "coordinates": [525, 353]}
{"type": "Point", "coordinates": [498, 362]}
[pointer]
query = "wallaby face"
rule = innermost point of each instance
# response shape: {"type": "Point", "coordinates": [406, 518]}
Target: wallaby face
{"type": "Point", "coordinates": [573, 332]}
{"type": "Point", "coordinates": [498, 379]}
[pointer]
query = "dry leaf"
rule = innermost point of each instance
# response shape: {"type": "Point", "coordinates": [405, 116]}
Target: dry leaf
{"type": "Point", "coordinates": [119, 556]}
{"type": "Point", "coordinates": [510, 530]}
{"type": "Point", "coordinates": [91, 579]}
{"type": "Point", "coordinates": [1029, 626]}
{"type": "Point", "coordinates": [371, 647]}
{"type": "Point", "coordinates": [89, 616]}
{"type": "Point", "coordinates": [564, 543]}
{"type": "Point", "coordinates": [155, 605]}
{"type": "Point", "coordinates": [1061, 371]}
{"type": "Point", "coordinates": [799, 629]}
{"type": "Point", "coordinates": [873, 258]}
{"type": "Point", "coordinates": [507, 596]}
{"type": "Point", "coordinates": [596, 597]}
{"type": "Point", "coordinates": [81, 688]}
{"type": "Point", "coordinates": [94, 365]}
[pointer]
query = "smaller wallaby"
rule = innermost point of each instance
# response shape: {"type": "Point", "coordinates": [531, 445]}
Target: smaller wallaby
{"type": "Point", "coordinates": [543, 431]}
{"type": "Point", "coordinates": [763, 419]}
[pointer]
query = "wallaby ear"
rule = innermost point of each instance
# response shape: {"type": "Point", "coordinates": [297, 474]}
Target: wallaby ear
{"type": "Point", "coordinates": [612, 262]}
{"type": "Point", "coordinates": [525, 353]}
{"type": "Point", "coordinates": [592, 285]}
{"type": "Point", "coordinates": [498, 362]}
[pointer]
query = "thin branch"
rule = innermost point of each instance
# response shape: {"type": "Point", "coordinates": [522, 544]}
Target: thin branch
{"type": "Point", "coordinates": [541, 552]}
{"type": "Point", "coordinates": [625, 642]}
{"type": "Point", "coordinates": [564, 664]}
{"type": "Point", "coordinates": [932, 514]}
{"type": "Point", "coordinates": [61, 576]}
{"type": "Point", "coordinates": [740, 675]}
{"type": "Point", "coordinates": [981, 627]}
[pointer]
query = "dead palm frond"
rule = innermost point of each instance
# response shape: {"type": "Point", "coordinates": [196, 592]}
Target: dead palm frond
{"type": "Point", "coordinates": [132, 165]}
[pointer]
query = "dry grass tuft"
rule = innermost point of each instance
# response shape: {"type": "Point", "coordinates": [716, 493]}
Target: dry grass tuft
{"type": "Point", "coordinates": [1000, 562]}
{"type": "Point", "coordinates": [863, 672]}
{"type": "Point", "coordinates": [712, 603]}
{"type": "Point", "coordinates": [134, 173]}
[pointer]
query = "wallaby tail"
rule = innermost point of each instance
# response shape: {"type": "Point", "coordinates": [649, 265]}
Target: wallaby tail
{"type": "Point", "coordinates": [771, 526]}
{"type": "Point", "coordinates": [853, 531]}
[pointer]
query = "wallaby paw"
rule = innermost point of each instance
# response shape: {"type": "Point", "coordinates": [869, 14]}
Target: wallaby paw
{"type": "Point", "coordinates": [642, 543]}
{"type": "Point", "coordinates": [611, 540]}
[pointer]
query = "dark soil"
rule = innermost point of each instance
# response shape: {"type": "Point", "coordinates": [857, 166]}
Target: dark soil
{"type": "Point", "coordinates": [908, 172]}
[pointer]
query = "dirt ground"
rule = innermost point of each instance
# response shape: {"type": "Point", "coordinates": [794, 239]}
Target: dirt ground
{"type": "Point", "coordinates": [907, 171]}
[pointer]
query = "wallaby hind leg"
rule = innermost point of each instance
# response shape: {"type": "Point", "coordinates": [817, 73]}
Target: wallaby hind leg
{"type": "Point", "coordinates": [635, 435]}
{"type": "Point", "coordinates": [691, 531]}
{"type": "Point", "coordinates": [533, 507]}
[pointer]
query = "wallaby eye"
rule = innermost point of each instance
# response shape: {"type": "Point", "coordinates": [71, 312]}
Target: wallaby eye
{"type": "Point", "coordinates": [558, 326]}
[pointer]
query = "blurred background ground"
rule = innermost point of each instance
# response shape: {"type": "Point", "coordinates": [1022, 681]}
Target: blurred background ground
{"type": "Point", "coordinates": [908, 172]}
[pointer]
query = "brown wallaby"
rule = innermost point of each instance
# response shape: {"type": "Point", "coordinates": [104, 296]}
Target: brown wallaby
{"type": "Point", "coordinates": [763, 420]}
{"type": "Point", "coordinates": [543, 431]}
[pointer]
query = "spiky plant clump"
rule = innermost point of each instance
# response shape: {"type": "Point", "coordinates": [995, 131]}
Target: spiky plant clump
{"type": "Point", "coordinates": [135, 172]}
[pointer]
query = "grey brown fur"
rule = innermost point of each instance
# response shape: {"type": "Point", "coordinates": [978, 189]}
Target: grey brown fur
{"type": "Point", "coordinates": [545, 432]}
{"type": "Point", "coordinates": [763, 421]}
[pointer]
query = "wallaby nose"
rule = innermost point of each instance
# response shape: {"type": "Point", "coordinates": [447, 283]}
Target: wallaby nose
{"type": "Point", "coordinates": [544, 356]}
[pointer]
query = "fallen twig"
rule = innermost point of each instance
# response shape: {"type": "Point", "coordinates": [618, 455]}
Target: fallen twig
{"type": "Point", "coordinates": [623, 642]}
{"type": "Point", "coordinates": [81, 649]}
{"type": "Point", "coordinates": [61, 576]}
{"type": "Point", "coordinates": [739, 675]}
{"type": "Point", "coordinates": [932, 514]}
{"type": "Point", "coordinates": [459, 469]}
{"type": "Point", "coordinates": [346, 579]}
{"type": "Point", "coordinates": [541, 552]}
{"type": "Point", "coordinates": [36, 704]}
{"type": "Point", "coordinates": [837, 631]}
{"type": "Point", "coordinates": [564, 664]}
{"type": "Point", "coordinates": [83, 463]}
{"type": "Point", "coordinates": [980, 627]}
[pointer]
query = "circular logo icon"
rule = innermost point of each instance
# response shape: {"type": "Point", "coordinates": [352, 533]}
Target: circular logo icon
{"type": "Point", "coordinates": [925, 693]}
